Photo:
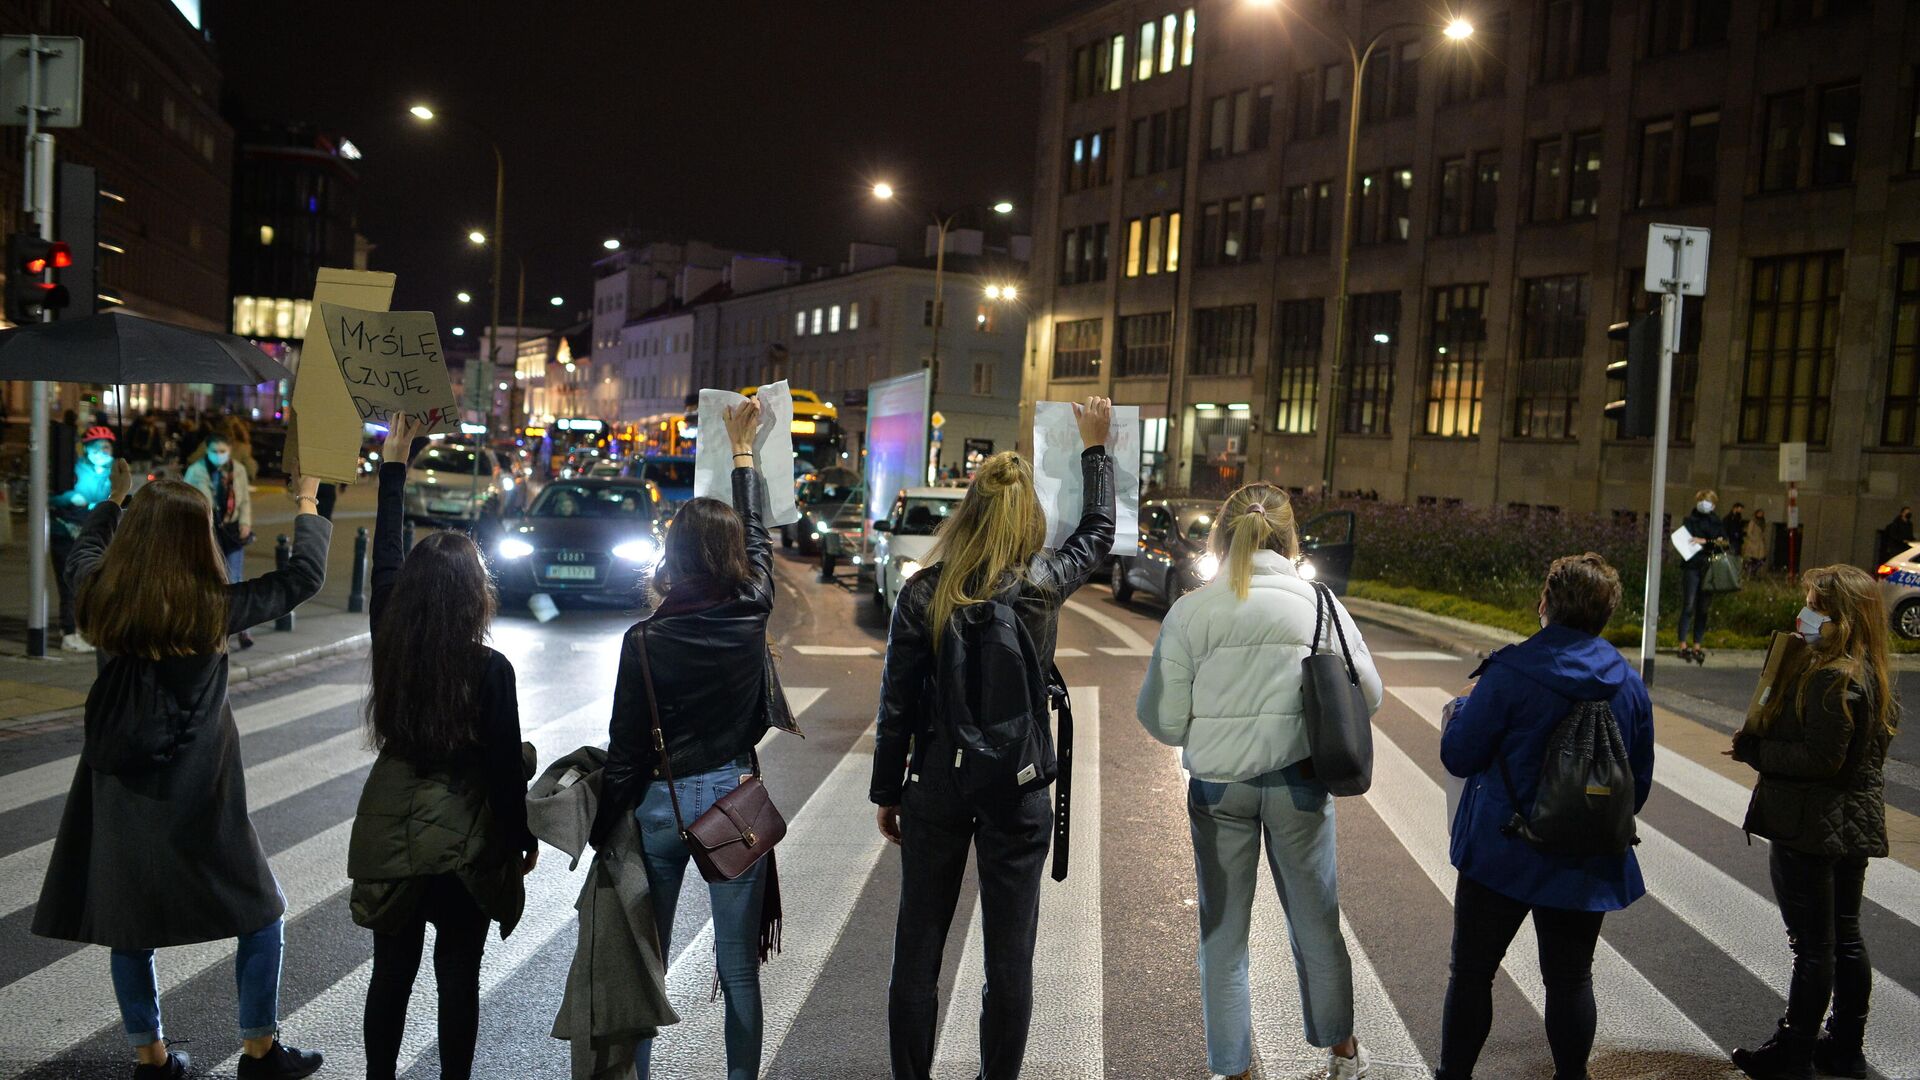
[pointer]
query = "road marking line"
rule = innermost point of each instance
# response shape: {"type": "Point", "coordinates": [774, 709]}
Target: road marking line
{"type": "Point", "coordinates": [48, 779]}
{"type": "Point", "coordinates": [834, 650]}
{"type": "Point", "coordinates": [1129, 638]}
{"type": "Point", "coordinates": [1734, 918]}
{"type": "Point", "coordinates": [1071, 654]}
{"type": "Point", "coordinates": [1112, 651]}
{"type": "Point", "coordinates": [1068, 1038]}
{"type": "Point", "coordinates": [1415, 654]}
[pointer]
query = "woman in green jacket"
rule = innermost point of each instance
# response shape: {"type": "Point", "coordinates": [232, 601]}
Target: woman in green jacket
{"type": "Point", "coordinates": [1821, 756]}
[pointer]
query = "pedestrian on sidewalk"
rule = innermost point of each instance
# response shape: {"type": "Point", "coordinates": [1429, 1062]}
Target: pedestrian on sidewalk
{"type": "Point", "coordinates": [988, 552]}
{"type": "Point", "coordinates": [440, 834]}
{"type": "Point", "coordinates": [92, 479]}
{"type": "Point", "coordinates": [1821, 798]}
{"type": "Point", "coordinates": [1736, 526]}
{"type": "Point", "coordinates": [225, 482]}
{"type": "Point", "coordinates": [155, 847]}
{"type": "Point", "coordinates": [1898, 535]}
{"type": "Point", "coordinates": [704, 648]}
{"type": "Point", "coordinates": [1497, 740]}
{"type": "Point", "coordinates": [1758, 541]}
{"type": "Point", "coordinates": [1705, 527]}
{"type": "Point", "coordinates": [1225, 685]}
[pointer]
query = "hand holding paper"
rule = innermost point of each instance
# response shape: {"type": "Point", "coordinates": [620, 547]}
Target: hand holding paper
{"type": "Point", "coordinates": [743, 421]}
{"type": "Point", "coordinates": [1061, 431]}
{"type": "Point", "coordinates": [761, 426]}
{"type": "Point", "coordinates": [1095, 420]}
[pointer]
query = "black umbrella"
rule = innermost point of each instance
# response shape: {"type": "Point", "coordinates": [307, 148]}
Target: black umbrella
{"type": "Point", "coordinates": [118, 349]}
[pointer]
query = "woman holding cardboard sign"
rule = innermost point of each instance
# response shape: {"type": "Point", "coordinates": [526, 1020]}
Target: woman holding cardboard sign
{"type": "Point", "coordinates": [1821, 754]}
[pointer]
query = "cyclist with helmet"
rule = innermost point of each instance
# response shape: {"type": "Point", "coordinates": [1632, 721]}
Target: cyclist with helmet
{"type": "Point", "coordinates": [92, 479]}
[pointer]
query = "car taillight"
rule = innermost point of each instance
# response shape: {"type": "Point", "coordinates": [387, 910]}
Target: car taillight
{"type": "Point", "coordinates": [1884, 570]}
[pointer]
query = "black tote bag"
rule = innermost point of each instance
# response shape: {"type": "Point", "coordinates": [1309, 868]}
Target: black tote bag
{"type": "Point", "coordinates": [1339, 725]}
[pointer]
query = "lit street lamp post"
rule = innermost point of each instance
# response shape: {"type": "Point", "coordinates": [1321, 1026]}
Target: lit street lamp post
{"type": "Point", "coordinates": [1358, 56]}
{"type": "Point", "coordinates": [426, 114]}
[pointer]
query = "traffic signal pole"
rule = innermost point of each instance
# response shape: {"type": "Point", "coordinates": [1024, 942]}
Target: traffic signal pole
{"type": "Point", "coordinates": [37, 199]}
{"type": "Point", "coordinates": [1670, 308]}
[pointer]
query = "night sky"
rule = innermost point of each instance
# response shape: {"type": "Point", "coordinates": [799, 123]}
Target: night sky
{"type": "Point", "coordinates": [755, 125]}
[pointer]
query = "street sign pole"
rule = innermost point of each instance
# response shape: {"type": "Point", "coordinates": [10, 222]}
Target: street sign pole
{"type": "Point", "coordinates": [1685, 256]}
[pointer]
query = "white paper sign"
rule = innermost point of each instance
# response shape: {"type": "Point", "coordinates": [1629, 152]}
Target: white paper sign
{"type": "Point", "coordinates": [772, 451]}
{"type": "Point", "coordinates": [1684, 543]}
{"type": "Point", "coordinates": [1056, 471]}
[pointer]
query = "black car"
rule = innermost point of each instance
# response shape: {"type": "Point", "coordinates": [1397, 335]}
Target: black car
{"type": "Point", "coordinates": [589, 538]}
{"type": "Point", "coordinates": [1173, 559]}
{"type": "Point", "coordinates": [820, 497]}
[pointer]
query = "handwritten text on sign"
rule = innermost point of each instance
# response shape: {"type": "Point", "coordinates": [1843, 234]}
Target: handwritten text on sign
{"type": "Point", "coordinates": [392, 364]}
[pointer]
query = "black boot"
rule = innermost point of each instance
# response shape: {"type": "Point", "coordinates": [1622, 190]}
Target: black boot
{"type": "Point", "coordinates": [1786, 1056]}
{"type": "Point", "coordinates": [1838, 1052]}
{"type": "Point", "coordinates": [281, 1062]}
{"type": "Point", "coordinates": [178, 1067]}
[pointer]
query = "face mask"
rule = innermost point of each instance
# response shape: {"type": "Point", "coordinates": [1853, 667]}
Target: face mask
{"type": "Point", "coordinates": [1705, 506]}
{"type": "Point", "coordinates": [1810, 623]}
{"type": "Point", "coordinates": [216, 459]}
{"type": "Point", "coordinates": [100, 458]}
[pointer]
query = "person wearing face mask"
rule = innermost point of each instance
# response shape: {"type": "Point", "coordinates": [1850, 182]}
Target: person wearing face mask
{"type": "Point", "coordinates": [1898, 535]}
{"type": "Point", "coordinates": [224, 481]}
{"type": "Point", "coordinates": [92, 479]}
{"type": "Point", "coordinates": [1707, 528]}
{"type": "Point", "coordinates": [1820, 753]}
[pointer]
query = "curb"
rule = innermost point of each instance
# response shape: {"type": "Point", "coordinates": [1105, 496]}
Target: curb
{"type": "Point", "coordinates": [1469, 640]}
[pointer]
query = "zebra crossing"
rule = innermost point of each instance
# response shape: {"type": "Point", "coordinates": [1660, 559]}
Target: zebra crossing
{"type": "Point", "coordinates": [1707, 900]}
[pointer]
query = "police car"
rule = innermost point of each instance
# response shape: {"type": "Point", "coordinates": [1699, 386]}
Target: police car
{"type": "Point", "coordinates": [1900, 587]}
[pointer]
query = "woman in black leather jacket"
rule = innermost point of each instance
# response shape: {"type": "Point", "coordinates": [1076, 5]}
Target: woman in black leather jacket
{"type": "Point", "coordinates": [706, 645]}
{"type": "Point", "coordinates": [990, 544]}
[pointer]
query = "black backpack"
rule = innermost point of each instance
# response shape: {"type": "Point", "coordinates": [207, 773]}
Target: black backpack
{"type": "Point", "coordinates": [990, 699]}
{"type": "Point", "coordinates": [1584, 804]}
{"type": "Point", "coordinates": [134, 722]}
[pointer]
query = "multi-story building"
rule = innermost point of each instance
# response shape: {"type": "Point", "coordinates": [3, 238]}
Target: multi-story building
{"type": "Point", "coordinates": [1189, 201]}
{"type": "Point", "coordinates": [152, 129]}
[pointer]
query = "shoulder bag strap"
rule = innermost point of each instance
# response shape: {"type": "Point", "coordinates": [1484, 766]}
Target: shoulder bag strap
{"type": "Point", "coordinates": [659, 739]}
{"type": "Point", "coordinates": [1324, 594]}
{"type": "Point", "coordinates": [1319, 611]}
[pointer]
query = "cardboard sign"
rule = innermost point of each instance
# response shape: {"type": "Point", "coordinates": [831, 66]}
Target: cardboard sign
{"type": "Point", "coordinates": [323, 427]}
{"type": "Point", "coordinates": [1787, 656]}
{"type": "Point", "coordinates": [772, 451]}
{"type": "Point", "coordinates": [391, 363]}
{"type": "Point", "coordinates": [1056, 471]}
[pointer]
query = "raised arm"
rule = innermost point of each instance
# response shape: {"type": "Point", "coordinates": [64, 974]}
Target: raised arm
{"type": "Point", "coordinates": [272, 595]}
{"type": "Point", "coordinates": [1086, 550]}
{"type": "Point", "coordinates": [389, 521]}
{"type": "Point", "coordinates": [743, 421]}
{"type": "Point", "coordinates": [90, 549]}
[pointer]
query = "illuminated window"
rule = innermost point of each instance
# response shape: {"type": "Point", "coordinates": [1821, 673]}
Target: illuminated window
{"type": "Point", "coordinates": [819, 318]}
{"type": "Point", "coordinates": [853, 315]}
{"type": "Point", "coordinates": [243, 315]}
{"type": "Point", "coordinates": [1186, 43]}
{"type": "Point", "coordinates": [1173, 243]}
{"type": "Point", "coordinates": [1133, 247]}
{"type": "Point", "coordinates": [833, 319]}
{"type": "Point", "coordinates": [799, 323]}
{"type": "Point", "coordinates": [1169, 42]}
{"type": "Point", "coordinates": [1154, 225]}
{"type": "Point", "coordinates": [1117, 64]}
{"type": "Point", "coordinates": [266, 235]}
{"type": "Point", "coordinates": [1143, 69]}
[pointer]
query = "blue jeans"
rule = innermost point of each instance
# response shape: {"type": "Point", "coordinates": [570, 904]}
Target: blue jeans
{"type": "Point", "coordinates": [736, 910]}
{"type": "Point", "coordinates": [256, 971]}
{"type": "Point", "coordinates": [236, 565]}
{"type": "Point", "coordinates": [1228, 820]}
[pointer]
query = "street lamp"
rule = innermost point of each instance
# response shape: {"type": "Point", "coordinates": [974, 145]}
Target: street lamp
{"type": "Point", "coordinates": [476, 237]}
{"type": "Point", "coordinates": [1454, 30]}
{"type": "Point", "coordinates": [463, 296]}
{"type": "Point", "coordinates": [943, 225]}
{"type": "Point", "coordinates": [611, 243]}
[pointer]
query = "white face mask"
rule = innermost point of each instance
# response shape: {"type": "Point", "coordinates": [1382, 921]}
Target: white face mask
{"type": "Point", "coordinates": [1705, 506]}
{"type": "Point", "coordinates": [1810, 623]}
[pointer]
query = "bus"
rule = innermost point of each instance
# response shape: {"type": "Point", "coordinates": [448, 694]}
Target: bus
{"type": "Point", "coordinates": [817, 437]}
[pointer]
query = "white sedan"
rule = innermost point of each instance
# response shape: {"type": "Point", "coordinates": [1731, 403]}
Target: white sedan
{"type": "Point", "coordinates": [1900, 586]}
{"type": "Point", "coordinates": [905, 537]}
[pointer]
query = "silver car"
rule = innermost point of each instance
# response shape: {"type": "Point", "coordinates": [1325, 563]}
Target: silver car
{"type": "Point", "coordinates": [443, 487]}
{"type": "Point", "coordinates": [1900, 588]}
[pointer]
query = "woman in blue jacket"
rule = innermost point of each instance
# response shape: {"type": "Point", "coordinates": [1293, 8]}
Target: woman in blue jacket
{"type": "Point", "coordinates": [1523, 693]}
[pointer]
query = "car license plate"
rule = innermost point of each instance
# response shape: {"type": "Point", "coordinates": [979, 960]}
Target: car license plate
{"type": "Point", "coordinates": [440, 506]}
{"type": "Point", "coordinates": [571, 573]}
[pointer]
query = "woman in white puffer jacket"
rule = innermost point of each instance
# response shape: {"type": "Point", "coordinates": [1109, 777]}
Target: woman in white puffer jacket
{"type": "Point", "coordinates": [1225, 686]}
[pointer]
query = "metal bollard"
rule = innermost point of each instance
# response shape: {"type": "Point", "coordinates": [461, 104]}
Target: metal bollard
{"type": "Point", "coordinates": [828, 549]}
{"type": "Point", "coordinates": [282, 555]}
{"type": "Point", "coordinates": [357, 587]}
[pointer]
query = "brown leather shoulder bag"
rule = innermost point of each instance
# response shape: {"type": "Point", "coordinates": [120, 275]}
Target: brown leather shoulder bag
{"type": "Point", "coordinates": [742, 827]}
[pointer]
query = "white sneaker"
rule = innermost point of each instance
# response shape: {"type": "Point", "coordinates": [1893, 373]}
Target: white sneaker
{"type": "Point", "coordinates": [75, 643]}
{"type": "Point", "coordinates": [1348, 1068]}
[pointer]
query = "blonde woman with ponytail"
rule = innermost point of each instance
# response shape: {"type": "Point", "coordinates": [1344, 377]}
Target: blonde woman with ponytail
{"type": "Point", "coordinates": [1224, 685]}
{"type": "Point", "coordinates": [990, 549]}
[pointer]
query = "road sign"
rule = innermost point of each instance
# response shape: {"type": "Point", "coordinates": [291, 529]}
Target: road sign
{"type": "Point", "coordinates": [1677, 254]}
{"type": "Point", "coordinates": [1793, 463]}
{"type": "Point", "coordinates": [939, 420]}
{"type": "Point", "coordinates": [60, 63]}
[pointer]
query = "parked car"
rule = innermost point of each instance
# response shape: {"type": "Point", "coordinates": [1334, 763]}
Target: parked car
{"type": "Point", "coordinates": [1173, 560]}
{"type": "Point", "coordinates": [444, 489]}
{"type": "Point", "coordinates": [820, 497]}
{"type": "Point", "coordinates": [672, 475]}
{"type": "Point", "coordinates": [595, 539]}
{"type": "Point", "coordinates": [1900, 587]}
{"type": "Point", "coordinates": [605, 470]}
{"type": "Point", "coordinates": [905, 537]}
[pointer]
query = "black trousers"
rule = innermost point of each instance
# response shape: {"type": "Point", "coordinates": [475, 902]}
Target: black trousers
{"type": "Point", "coordinates": [1484, 923]}
{"type": "Point", "coordinates": [459, 940]}
{"type": "Point", "coordinates": [1820, 901]}
{"type": "Point", "coordinates": [1694, 601]}
{"type": "Point", "coordinates": [1010, 839]}
{"type": "Point", "coordinates": [59, 548]}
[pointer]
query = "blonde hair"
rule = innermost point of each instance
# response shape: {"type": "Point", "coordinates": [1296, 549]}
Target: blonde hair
{"type": "Point", "coordinates": [1854, 642]}
{"type": "Point", "coordinates": [999, 527]}
{"type": "Point", "coordinates": [1706, 495]}
{"type": "Point", "coordinates": [1256, 517]}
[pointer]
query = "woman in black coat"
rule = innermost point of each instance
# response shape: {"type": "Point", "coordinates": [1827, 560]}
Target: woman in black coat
{"type": "Point", "coordinates": [706, 649]}
{"type": "Point", "coordinates": [1821, 798]}
{"type": "Point", "coordinates": [1707, 528]}
{"type": "Point", "coordinates": [155, 847]}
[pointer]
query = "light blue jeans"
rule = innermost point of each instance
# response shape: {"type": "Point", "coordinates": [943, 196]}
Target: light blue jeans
{"type": "Point", "coordinates": [736, 910]}
{"type": "Point", "coordinates": [256, 971]}
{"type": "Point", "coordinates": [236, 565]}
{"type": "Point", "coordinates": [1228, 820]}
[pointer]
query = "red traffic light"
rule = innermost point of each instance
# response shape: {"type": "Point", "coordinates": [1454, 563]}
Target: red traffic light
{"type": "Point", "coordinates": [55, 254]}
{"type": "Point", "coordinates": [61, 254]}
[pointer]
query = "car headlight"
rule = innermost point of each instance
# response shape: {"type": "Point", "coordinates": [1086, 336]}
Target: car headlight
{"type": "Point", "coordinates": [514, 548]}
{"type": "Point", "coordinates": [1307, 572]}
{"type": "Point", "coordinates": [637, 551]}
{"type": "Point", "coordinates": [1206, 566]}
{"type": "Point", "coordinates": [373, 455]}
{"type": "Point", "coordinates": [820, 526]}
{"type": "Point", "coordinates": [908, 568]}
{"type": "Point", "coordinates": [506, 483]}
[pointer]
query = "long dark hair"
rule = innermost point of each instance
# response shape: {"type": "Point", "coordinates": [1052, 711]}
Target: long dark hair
{"type": "Point", "coordinates": [430, 652]}
{"type": "Point", "coordinates": [146, 604]}
{"type": "Point", "coordinates": [706, 548]}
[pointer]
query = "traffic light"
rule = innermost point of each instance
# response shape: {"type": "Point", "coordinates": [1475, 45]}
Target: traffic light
{"type": "Point", "coordinates": [28, 291]}
{"type": "Point", "coordinates": [1639, 372]}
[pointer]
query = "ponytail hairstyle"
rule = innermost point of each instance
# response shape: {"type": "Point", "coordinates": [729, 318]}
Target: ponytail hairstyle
{"type": "Point", "coordinates": [999, 527]}
{"type": "Point", "coordinates": [1257, 517]}
{"type": "Point", "coordinates": [1854, 643]}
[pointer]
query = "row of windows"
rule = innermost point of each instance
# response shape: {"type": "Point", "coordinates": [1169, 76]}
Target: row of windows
{"type": "Point", "coordinates": [1153, 244]}
{"type": "Point", "coordinates": [1786, 375]}
{"type": "Point", "coordinates": [1159, 46]}
{"type": "Point", "coordinates": [1240, 122]}
{"type": "Point", "coordinates": [1089, 161]}
{"type": "Point", "coordinates": [826, 320]}
{"type": "Point", "coordinates": [1232, 231]}
{"type": "Point", "coordinates": [1159, 142]}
